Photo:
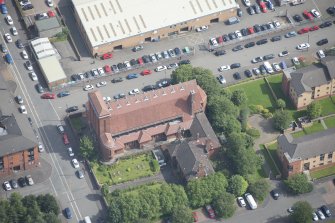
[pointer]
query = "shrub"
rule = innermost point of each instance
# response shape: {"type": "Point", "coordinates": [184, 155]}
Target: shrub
{"type": "Point", "coordinates": [253, 132]}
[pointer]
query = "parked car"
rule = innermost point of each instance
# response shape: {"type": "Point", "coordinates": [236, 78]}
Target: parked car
{"type": "Point", "coordinates": [22, 182]}
{"type": "Point", "coordinates": [290, 34]}
{"type": "Point", "coordinates": [14, 31]}
{"type": "Point", "coordinates": [61, 129]}
{"type": "Point", "coordinates": [325, 24]}
{"type": "Point", "coordinates": [241, 202]}
{"type": "Point", "coordinates": [237, 48]}
{"type": "Point", "coordinates": [39, 88]}
{"type": "Point", "coordinates": [321, 54]}
{"type": "Point", "coordinates": [308, 15]}
{"type": "Point", "coordinates": [29, 180]}
{"type": "Point", "coordinates": [119, 96]}
{"type": "Point", "coordinates": [40, 147]}
{"type": "Point", "coordinates": [163, 84]}
{"type": "Point", "coordinates": [221, 79]}
{"type": "Point", "coordinates": [283, 53]}
{"type": "Point", "coordinates": [251, 10]}
{"type": "Point", "coordinates": [75, 163]}
{"type": "Point", "coordinates": [201, 28]}
{"type": "Point", "coordinates": [160, 68]}
{"type": "Point", "coordinates": [171, 53]}
{"type": "Point", "coordinates": [315, 13]}
{"type": "Point", "coordinates": [297, 18]}
{"type": "Point", "coordinates": [314, 28]}
{"type": "Point", "coordinates": [63, 94]}
{"type": "Point", "coordinates": [132, 76]}
{"type": "Point", "coordinates": [48, 96]}
{"type": "Point", "coordinates": [65, 139]}
{"type": "Point", "coordinates": [80, 174]}
{"type": "Point", "coordinates": [101, 84]}
{"type": "Point", "coordinates": [134, 91]}
{"type": "Point", "coordinates": [269, 56]}
{"type": "Point", "coordinates": [248, 45]}
{"type": "Point", "coordinates": [106, 56]}
{"type": "Point", "coordinates": [303, 46]}
{"type": "Point", "coordinates": [13, 183]}
{"type": "Point", "coordinates": [220, 53]}
{"type": "Point", "coordinates": [72, 109]}
{"type": "Point", "coordinates": [256, 71]}
{"type": "Point", "coordinates": [148, 88]}
{"type": "Point", "coordinates": [257, 60]}
{"type": "Point", "coordinates": [146, 72]}
{"type": "Point", "coordinates": [9, 20]}
{"type": "Point", "coordinates": [223, 68]}
{"type": "Point", "coordinates": [262, 41]}
{"type": "Point", "coordinates": [172, 66]}
{"type": "Point", "coordinates": [276, 38]}
{"type": "Point", "coordinates": [210, 211]}
{"type": "Point", "coordinates": [7, 186]}
{"type": "Point", "coordinates": [322, 42]}
{"type": "Point", "coordinates": [235, 65]}
{"type": "Point", "coordinates": [19, 44]}
{"type": "Point", "coordinates": [8, 38]}
{"type": "Point", "coordinates": [88, 87]}
{"type": "Point", "coordinates": [314, 217]}
{"type": "Point", "coordinates": [117, 80]}
{"type": "Point", "coordinates": [237, 76]}
{"type": "Point", "coordinates": [213, 42]}
{"type": "Point", "coordinates": [320, 214]}
{"type": "Point", "coordinates": [275, 194]}
{"type": "Point", "coordinates": [326, 210]}
{"type": "Point", "coordinates": [295, 61]}
{"type": "Point", "coordinates": [68, 213]}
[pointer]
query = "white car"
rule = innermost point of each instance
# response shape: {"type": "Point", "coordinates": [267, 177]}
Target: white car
{"type": "Point", "coordinates": [128, 67]}
{"type": "Point", "coordinates": [40, 147]}
{"type": "Point", "coordinates": [7, 186]}
{"type": "Point", "coordinates": [14, 31]}
{"type": "Point", "coordinates": [19, 99]}
{"type": "Point", "coordinates": [295, 61]}
{"type": "Point", "coordinates": [320, 214]}
{"type": "Point", "coordinates": [88, 87]}
{"type": "Point", "coordinates": [101, 71]}
{"type": "Point", "coordinates": [241, 201]}
{"type": "Point", "coordinates": [8, 38]}
{"type": "Point", "coordinates": [75, 163]}
{"type": "Point", "coordinates": [23, 109]}
{"type": "Point", "coordinates": [69, 150]}
{"type": "Point", "coordinates": [225, 67]}
{"type": "Point", "coordinates": [315, 13]}
{"type": "Point", "coordinates": [315, 217]}
{"type": "Point", "coordinates": [23, 3]}
{"type": "Point", "coordinates": [321, 54]}
{"type": "Point", "coordinates": [28, 65]}
{"type": "Point", "coordinates": [24, 55]}
{"type": "Point", "coordinates": [107, 99]}
{"type": "Point", "coordinates": [153, 58]}
{"type": "Point", "coordinates": [33, 76]}
{"type": "Point", "coordinates": [303, 46]}
{"type": "Point", "coordinates": [222, 79]}
{"type": "Point", "coordinates": [247, 2]}
{"type": "Point", "coordinates": [50, 3]}
{"type": "Point", "coordinates": [214, 42]}
{"type": "Point", "coordinates": [256, 71]}
{"type": "Point", "coordinates": [271, 26]}
{"type": "Point", "coordinates": [134, 91]}
{"type": "Point", "coordinates": [30, 180]}
{"type": "Point", "coordinates": [284, 53]}
{"type": "Point", "coordinates": [9, 20]}
{"type": "Point", "coordinates": [201, 28]}
{"type": "Point", "coordinates": [160, 68]}
{"type": "Point", "coordinates": [101, 84]}
{"type": "Point", "coordinates": [276, 24]}
{"type": "Point", "coordinates": [238, 34]}
{"type": "Point", "coordinates": [276, 67]}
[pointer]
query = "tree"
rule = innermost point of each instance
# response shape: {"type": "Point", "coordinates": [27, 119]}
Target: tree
{"type": "Point", "coordinates": [114, 212]}
{"type": "Point", "coordinates": [237, 185]}
{"type": "Point", "coordinates": [239, 97]}
{"type": "Point", "coordinates": [259, 189]}
{"type": "Point", "coordinates": [302, 212]}
{"type": "Point", "coordinates": [246, 161]}
{"type": "Point", "coordinates": [48, 203]}
{"type": "Point", "coordinates": [298, 184]}
{"type": "Point", "coordinates": [244, 114]}
{"type": "Point", "coordinates": [220, 104]}
{"type": "Point", "coordinates": [226, 123]}
{"type": "Point", "coordinates": [281, 119]}
{"type": "Point", "coordinates": [105, 190]}
{"type": "Point", "coordinates": [86, 147]}
{"type": "Point", "coordinates": [181, 214]}
{"type": "Point", "coordinates": [51, 218]}
{"type": "Point", "coordinates": [182, 74]}
{"type": "Point", "coordinates": [167, 198]}
{"type": "Point", "coordinates": [313, 110]}
{"type": "Point", "coordinates": [281, 104]}
{"type": "Point", "coordinates": [224, 205]}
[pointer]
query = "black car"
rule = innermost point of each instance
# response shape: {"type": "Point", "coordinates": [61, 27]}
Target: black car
{"type": "Point", "coordinates": [326, 24]}
{"type": "Point", "coordinates": [275, 194]}
{"type": "Point", "coordinates": [235, 65]}
{"type": "Point", "coordinates": [27, 7]}
{"type": "Point", "coordinates": [163, 84]}
{"type": "Point", "coordinates": [220, 52]}
{"type": "Point", "coordinates": [251, 10]}
{"type": "Point", "coordinates": [75, 77]}
{"type": "Point", "coordinates": [117, 80]}
{"type": "Point", "coordinates": [120, 66]}
{"type": "Point", "coordinates": [257, 8]}
{"type": "Point", "coordinates": [331, 10]}
{"type": "Point", "coordinates": [297, 18]}
{"type": "Point", "coordinates": [248, 73]}
{"type": "Point", "coordinates": [232, 36]}
{"type": "Point", "coordinates": [326, 210]}
{"type": "Point", "coordinates": [39, 88]}
{"type": "Point", "coordinates": [225, 38]}
{"type": "Point", "coordinates": [264, 27]}
{"type": "Point", "coordinates": [133, 62]}
{"type": "Point", "coordinates": [257, 28]}
{"type": "Point", "coordinates": [3, 48]}
{"type": "Point", "coordinates": [14, 184]}
{"type": "Point", "coordinates": [115, 69]}
{"type": "Point", "coordinates": [262, 69]}
{"type": "Point", "coordinates": [72, 109]}
{"type": "Point", "coordinates": [119, 96]}
{"type": "Point", "coordinates": [146, 59]}
{"type": "Point", "coordinates": [276, 38]}
{"type": "Point", "coordinates": [19, 44]}
{"type": "Point", "coordinates": [22, 182]}
{"type": "Point", "coordinates": [269, 57]}
{"type": "Point", "coordinates": [183, 62]}
{"type": "Point", "coordinates": [262, 41]}
{"type": "Point", "coordinates": [322, 42]}
{"type": "Point", "coordinates": [237, 75]}
{"type": "Point", "coordinates": [237, 48]}
{"type": "Point", "coordinates": [239, 13]}
{"type": "Point", "coordinates": [149, 88]}
{"type": "Point", "coordinates": [177, 51]}
{"type": "Point", "coordinates": [244, 32]}
{"type": "Point", "coordinates": [68, 213]}
{"type": "Point", "coordinates": [248, 45]}
{"type": "Point", "coordinates": [30, 121]}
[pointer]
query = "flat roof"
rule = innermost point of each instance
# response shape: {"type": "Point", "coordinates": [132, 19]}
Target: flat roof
{"type": "Point", "coordinates": [47, 24]}
{"type": "Point", "coordinates": [42, 48]}
{"type": "Point", "coordinates": [51, 69]}
{"type": "Point", "coordinates": [109, 20]}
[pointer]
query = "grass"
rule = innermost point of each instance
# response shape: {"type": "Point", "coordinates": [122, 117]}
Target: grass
{"type": "Point", "coordinates": [316, 127]}
{"type": "Point", "coordinates": [259, 174]}
{"type": "Point", "coordinates": [269, 161]}
{"type": "Point", "coordinates": [77, 124]}
{"type": "Point", "coordinates": [330, 122]}
{"type": "Point", "coordinates": [273, 152]}
{"type": "Point", "coordinates": [124, 170]}
{"type": "Point", "coordinates": [323, 173]}
{"type": "Point", "coordinates": [327, 105]}
{"type": "Point", "coordinates": [257, 92]}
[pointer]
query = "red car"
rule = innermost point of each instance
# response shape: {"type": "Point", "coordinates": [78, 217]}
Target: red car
{"type": "Point", "coordinates": [107, 69]}
{"type": "Point", "coordinates": [51, 14]}
{"type": "Point", "coordinates": [251, 30]}
{"type": "Point", "coordinates": [107, 56]}
{"type": "Point", "coordinates": [48, 96]}
{"type": "Point", "coordinates": [219, 39]}
{"type": "Point", "coordinates": [65, 139]}
{"type": "Point", "coordinates": [146, 72]}
{"type": "Point", "coordinates": [210, 211]}
{"type": "Point", "coordinates": [263, 6]}
{"type": "Point", "coordinates": [195, 216]}
{"type": "Point", "coordinates": [313, 28]}
{"type": "Point", "coordinates": [303, 30]}
{"type": "Point", "coordinates": [140, 61]}
{"type": "Point", "coordinates": [308, 15]}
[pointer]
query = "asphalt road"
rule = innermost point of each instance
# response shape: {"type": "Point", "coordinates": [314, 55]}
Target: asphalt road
{"type": "Point", "coordinates": [46, 114]}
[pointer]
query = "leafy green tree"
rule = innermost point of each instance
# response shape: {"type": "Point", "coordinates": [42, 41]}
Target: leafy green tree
{"type": "Point", "coordinates": [33, 210]}
{"type": "Point", "coordinates": [180, 196]}
{"type": "Point", "coordinates": [259, 189]}
{"type": "Point", "coordinates": [302, 212]}
{"type": "Point", "coordinates": [226, 123]}
{"type": "Point", "coordinates": [15, 201]}
{"type": "Point", "coordinates": [237, 185]}
{"type": "Point", "coordinates": [86, 147]}
{"type": "Point", "coordinates": [239, 97]}
{"type": "Point", "coordinates": [167, 198]}
{"type": "Point", "coordinates": [105, 190]}
{"type": "Point", "coordinates": [244, 114]}
{"type": "Point", "coordinates": [281, 103]}
{"type": "Point", "coordinates": [48, 203]}
{"type": "Point", "coordinates": [246, 161]}
{"type": "Point", "coordinates": [181, 214]}
{"type": "Point", "coordinates": [281, 119]}
{"type": "Point", "coordinates": [182, 74]}
{"type": "Point", "coordinates": [313, 110]}
{"type": "Point", "coordinates": [150, 203]}
{"type": "Point", "coordinates": [220, 104]}
{"type": "Point", "coordinates": [299, 184]}
{"type": "Point", "coordinates": [224, 205]}
{"type": "Point", "coordinates": [130, 205]}
{"type": "Point", "coordinates": [51, 218]}
{"type": "Point", "coordinates": [114, 214]}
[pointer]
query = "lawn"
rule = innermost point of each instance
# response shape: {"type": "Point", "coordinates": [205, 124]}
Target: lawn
{"type": "Point", "coordinates": [316, 127]}
{"type": "Point", "coordinates": [269, 161]}
{"type": "Point", "coordinates": [124, 170]}
{"type": "Point", "coordinates": [77, 123]}
{"type": "Point", "coordinates": [327, 105]}
{"type": "Point", "coordinates": [257, 92]}
{"type": "Point", "coordinates": [273, 151]}
{"type": "Point", "coordinates": [275, 83]}
{"type": "Point", "coordinates": [323, 173]}
{"type": "Point", "coordinates": [330, 122]}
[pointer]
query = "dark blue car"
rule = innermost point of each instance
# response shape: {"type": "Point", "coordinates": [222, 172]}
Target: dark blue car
{"type": "Point", "coordinates": [4, 9]}
{"type": "Point", "coordinates": [9, 58]}
{"type": "Point", "coordinates": [63, 94]}
{"type": "Point", "coordinates": [68, 213]}
{"type": "Point", "coordinates": [132, 76]}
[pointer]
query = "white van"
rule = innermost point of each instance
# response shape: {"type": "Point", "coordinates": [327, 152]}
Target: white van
{"type": "Point", "coordinates": [87, 219]}
{"type": "Point", "coordinates": [268, 67]}
{"type": "Point", "coordinates": [251, 201]}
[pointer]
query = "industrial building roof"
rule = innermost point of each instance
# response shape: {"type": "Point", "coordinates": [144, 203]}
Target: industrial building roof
{"type": "Point", "coordinates": [51, 69]}
{"type": "Point", "coordinates": [42, 48]}
{"type": "Point", "coordinates": [105, 21]}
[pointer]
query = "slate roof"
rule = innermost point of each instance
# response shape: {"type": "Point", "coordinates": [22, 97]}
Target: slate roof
{"type": "Point", "coordinates": [47, 24]}
{"type": "Point", "coordinates": [309, 145]}
{"type": "Point", "coordinates": [329, 62]}
{"type": "Point", "coordinates": [16, 133]}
